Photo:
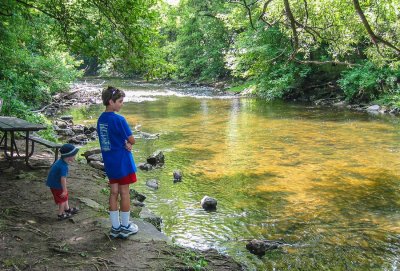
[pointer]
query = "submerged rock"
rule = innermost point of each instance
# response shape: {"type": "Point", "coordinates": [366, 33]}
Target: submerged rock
{"type": "Point", "coordinates": [145, 166]}
{"type": "Point", "coordinates": [153, 183]}
{"type": "Point", "coordinates": [259, 247]}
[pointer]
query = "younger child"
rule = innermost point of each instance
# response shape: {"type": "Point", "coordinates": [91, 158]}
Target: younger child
{"type": "Point", "coordinates": [116, 142]}
{"type": "Point", "coordinates": [57, 180]}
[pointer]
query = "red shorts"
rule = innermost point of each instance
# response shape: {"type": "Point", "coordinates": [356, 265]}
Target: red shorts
{"type": "Point", "coordinates": [57, 195]}
{"type": "Point", "coordinates": [128, 179]}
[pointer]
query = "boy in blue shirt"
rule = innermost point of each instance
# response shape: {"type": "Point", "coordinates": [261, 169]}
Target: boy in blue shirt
{"type": "Point", "coordinates": [116, 142]}
{"type": "Point", "coordinates": [57, 180]}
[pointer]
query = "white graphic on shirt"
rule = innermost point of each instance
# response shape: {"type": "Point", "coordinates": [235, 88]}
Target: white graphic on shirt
{"type": "Point", "coordinates": [104, 139]}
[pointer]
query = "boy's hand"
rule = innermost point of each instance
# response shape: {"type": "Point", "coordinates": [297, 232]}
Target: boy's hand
{"type": "Point", "coordinates": [64, 193]}
{"type": "Point", "coordinates": [128, 146]}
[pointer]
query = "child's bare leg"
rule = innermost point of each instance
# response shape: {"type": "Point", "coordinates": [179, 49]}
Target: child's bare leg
{"type": "Point", "coordinates": [125, 204]}
{"type": "Point", "coordinates": [125, 198]}
{"type": "Point", "coordinates": [66, 206]}
{"type": "Point", "coordinates": [61, 208]}
{"type": "Point", "coordinates": [113, 200]}
{"type": "Point", "coordinates": [114, 212]}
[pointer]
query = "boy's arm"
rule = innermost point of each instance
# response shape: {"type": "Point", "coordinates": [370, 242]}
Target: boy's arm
{"type": "Point", "coordinates": [64, 187]}
{"type": "Point", "coordinates": [131, 140]}
{"type": "Point", "coordinates": [129, 143]}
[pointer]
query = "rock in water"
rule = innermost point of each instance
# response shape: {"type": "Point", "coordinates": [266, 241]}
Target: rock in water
{"type": "Point", "coordinates": [153, 183]}
{"type": "Point", "coordinates": [259, 247]}
{"type": "Point", "coordinates": [177, 176]}
{"type": "Point", "coordinates": [208, 203]}
{"type": "Point", "coordinates": [156, 159]}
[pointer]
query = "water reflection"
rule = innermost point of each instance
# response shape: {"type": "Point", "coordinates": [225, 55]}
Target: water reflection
{"type": "Point", "coordinates": [326, 182]}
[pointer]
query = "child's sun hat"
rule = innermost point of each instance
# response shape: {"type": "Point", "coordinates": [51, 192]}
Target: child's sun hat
{"type": "Point", "coordinates": [68, 150]}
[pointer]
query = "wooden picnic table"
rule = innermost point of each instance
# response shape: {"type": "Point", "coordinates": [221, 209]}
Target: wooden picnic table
{"type": "Point", "coordinates": [11, 125]}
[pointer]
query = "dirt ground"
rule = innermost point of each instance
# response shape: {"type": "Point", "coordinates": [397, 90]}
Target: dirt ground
{"type": "Point", "coordinates": [31, 237]}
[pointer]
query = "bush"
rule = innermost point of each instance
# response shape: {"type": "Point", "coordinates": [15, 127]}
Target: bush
{"type": "Point", "coordinates": [367, 82]}
{"type": "Point", "coordinates": [262, 56]}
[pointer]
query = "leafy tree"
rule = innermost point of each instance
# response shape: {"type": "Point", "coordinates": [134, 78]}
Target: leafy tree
{"type": "Point", "coordinates": [32, 67]}
{"type": "Point", "coordinates": [368, 82]}
{"type": "Point", "coordinates": [202, 41]}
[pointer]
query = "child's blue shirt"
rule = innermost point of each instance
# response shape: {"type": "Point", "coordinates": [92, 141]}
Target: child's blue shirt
{"type": "Point", "coordinates": [113, 131]}
{"type": "Point", "coordinates": [58, 169]}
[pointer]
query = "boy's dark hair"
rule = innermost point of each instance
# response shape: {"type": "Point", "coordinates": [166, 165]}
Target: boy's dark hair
{"type": "Point", "coordinates": [111, 93]}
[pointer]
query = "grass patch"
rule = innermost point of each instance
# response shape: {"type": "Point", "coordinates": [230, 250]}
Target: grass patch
{"type": "Point", "coordinates": [242, 87]}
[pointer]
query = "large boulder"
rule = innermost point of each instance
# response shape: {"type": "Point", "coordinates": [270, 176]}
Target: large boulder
{"type": "Point", "coordinates": [90, 152]}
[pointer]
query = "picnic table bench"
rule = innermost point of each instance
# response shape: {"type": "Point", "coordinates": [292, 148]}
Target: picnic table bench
{"type": "Point", "coordinates": [47, 143]}
{"type": "Point", "coordinates": [11, 125]}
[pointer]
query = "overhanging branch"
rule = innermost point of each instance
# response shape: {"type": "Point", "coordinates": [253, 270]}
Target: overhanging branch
{"type": "Point", "coordinates": [374, 38]}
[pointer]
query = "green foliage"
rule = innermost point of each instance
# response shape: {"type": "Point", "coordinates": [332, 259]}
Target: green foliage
{"type": "Point", "coordinates": [201, 41]}
{"type": "Point", "coordinates": [239, 87]}
{"type": "Point", "coordinates": [32, 67]}
{"type": "Point", "coordinates": [281, 79]}
{"type": "Point", "coordinates": [262, 56]}
{"type": "Point", "coordinates": [105, 191]}
{"type": "Point", "coordinates": [194, 260]}
{"type": "Point", "coordinates": [368, 82]}
{"type": "Point", "coordinates": [121, 36]}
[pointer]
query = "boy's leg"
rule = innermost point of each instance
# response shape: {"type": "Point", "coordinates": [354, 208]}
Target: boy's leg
{"type": "Point", "coordinates": [127, 228]}
{"type": "Point", "coordinates": [114, 213]}
{"type": "Point", "coordinates": [125, 204]}
{"type": "Point", "coordinates": [61, 207]}
{"type": "Point", "coordinates": [113, 200]}
{"type": "Point", "coordinates": [125, 197]}
{"type": "Point", "coordinates": [66, 205]}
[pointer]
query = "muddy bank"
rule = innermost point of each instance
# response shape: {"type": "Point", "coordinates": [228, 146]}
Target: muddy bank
{"type": "Point", "coordinates": [32, 238]}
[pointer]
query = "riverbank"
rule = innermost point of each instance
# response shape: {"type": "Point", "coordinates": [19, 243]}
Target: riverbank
{"type": "Point", "coordinates": [32, 238]}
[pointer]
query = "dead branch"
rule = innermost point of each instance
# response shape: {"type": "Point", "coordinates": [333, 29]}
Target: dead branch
{"type": "Point", "coordinates": [324, 62]}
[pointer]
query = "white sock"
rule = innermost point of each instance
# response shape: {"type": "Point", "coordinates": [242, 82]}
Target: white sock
{"type": "Point", "coordinates": [125, 218]}
{"type": "Point", "coordinates": [114, 217]}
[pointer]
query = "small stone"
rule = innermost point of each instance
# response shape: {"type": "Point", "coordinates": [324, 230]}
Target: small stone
{"type": "Point", "coordinates": [153, 183]}
{"type": "Point", "coordinates": [177, 176]}
{"type": "Point", "coordinates": [208, 203]}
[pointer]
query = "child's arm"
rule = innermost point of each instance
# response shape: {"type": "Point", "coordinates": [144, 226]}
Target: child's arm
{"type": "Point", "coordinates": [64, 187]}
{"type": "Point", "coordinates": [129, 143]}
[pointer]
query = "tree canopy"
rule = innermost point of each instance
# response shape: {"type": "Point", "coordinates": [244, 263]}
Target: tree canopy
{"type": "Point", "coordinates": [277, 47]}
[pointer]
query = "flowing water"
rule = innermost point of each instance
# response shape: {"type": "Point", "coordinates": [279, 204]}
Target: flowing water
{"type": "Point", "coordinates": [324, 181]}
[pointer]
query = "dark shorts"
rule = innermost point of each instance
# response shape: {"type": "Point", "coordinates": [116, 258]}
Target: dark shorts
{"type": "Point", "coordinates": [56, 194]}
{"type": "Point", "coordinates": [128, 179]}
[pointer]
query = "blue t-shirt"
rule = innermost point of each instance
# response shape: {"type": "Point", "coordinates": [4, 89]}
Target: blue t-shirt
{"type": "Point", "coordinates": [58, 169]}
{"type": "Point", "coordinates": [113, 131]}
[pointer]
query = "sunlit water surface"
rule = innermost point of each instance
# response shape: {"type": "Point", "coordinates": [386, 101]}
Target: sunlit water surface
{"type": "Point", "coordinates": [324, 181]}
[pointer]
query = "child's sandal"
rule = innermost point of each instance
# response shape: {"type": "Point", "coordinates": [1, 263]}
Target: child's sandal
{"type": "Point", "coordinates": [63, 216]}
{"type": "Point", "coordinates": [72, 211]}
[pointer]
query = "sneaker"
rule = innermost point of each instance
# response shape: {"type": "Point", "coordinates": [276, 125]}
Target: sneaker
{"type": "Point", "coordinates": [128, 230]}
{"type": "Point", "coordinates": [72, 211]}
{"type": "Point", "coordinates": [63, 216]}
{"type": "Point", "coordinates": [114, 233]}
